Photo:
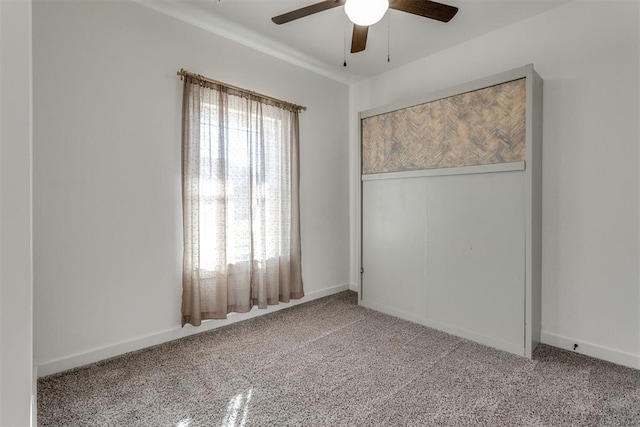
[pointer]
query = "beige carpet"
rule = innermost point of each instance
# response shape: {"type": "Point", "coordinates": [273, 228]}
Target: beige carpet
{"type": "Point", "coordinates": [330, 362]}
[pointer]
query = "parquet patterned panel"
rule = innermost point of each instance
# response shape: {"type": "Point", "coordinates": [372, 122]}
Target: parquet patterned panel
{"type": "Point", "coordinates": [486, 126]}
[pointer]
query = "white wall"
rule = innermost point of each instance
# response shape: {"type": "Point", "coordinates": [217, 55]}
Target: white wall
{"type": "Point", "coordinates": [16, 298]}
{"type": "Point", "coordinates": [588, 55]}
{"type": "Point", "coordinates": [107, 204]}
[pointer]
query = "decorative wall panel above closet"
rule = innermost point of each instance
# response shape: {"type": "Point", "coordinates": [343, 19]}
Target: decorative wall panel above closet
{"type": "Point", "coordinates": [485, 126]}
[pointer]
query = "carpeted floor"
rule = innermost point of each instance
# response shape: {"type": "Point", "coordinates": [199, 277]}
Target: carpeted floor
{"type": "Point", "coordinates": [330, 362]}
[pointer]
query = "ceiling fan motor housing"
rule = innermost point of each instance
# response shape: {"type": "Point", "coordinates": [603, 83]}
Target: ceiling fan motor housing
{"type": "Point", "coordinates": [366, 12]}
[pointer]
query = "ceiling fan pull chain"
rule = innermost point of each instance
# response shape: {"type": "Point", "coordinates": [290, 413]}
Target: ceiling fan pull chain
{"type": "Point", "coordinates": [388, 36]}
{"type": "Point", "coordinates": [344, 41]}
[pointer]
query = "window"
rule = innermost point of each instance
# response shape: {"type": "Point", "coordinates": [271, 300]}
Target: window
{"type": "Point", "coordinates": [240, 202]}
{"type": "Point", "coordinates": [229, 195]}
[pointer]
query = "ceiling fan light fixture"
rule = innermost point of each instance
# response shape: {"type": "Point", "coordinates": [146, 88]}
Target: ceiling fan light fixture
{"type": "Point", "coordinates": [365, 12]}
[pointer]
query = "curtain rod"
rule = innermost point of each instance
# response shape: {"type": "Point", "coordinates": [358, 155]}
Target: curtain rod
{"type": "Point", "coordinates": [185, 73]}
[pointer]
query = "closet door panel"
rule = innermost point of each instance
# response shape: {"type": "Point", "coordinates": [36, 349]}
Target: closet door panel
{"type": "Point", "coordinates": [394, 247]}
{"type": "Point", "coordinates": [475, 256]}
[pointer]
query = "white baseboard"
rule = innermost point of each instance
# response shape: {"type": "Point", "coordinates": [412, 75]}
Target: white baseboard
{"type": "Point", "coordinates": [81, 359]}
{"type": "Point", "coordinates": [353, 287]}
{"type": "Point", "coordinates": [599, 352]}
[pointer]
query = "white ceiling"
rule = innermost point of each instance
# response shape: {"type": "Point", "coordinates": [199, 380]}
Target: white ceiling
{"type": "Point", "coordinates": [317, 42]}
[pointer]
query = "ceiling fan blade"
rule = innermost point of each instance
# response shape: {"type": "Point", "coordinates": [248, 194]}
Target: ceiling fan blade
{"type": "Point", "coordinates": [426, 8]}
{"type": "Point", "coordinates": [306, 11]}
{"type": "Point", "coordinates": [359, 38]}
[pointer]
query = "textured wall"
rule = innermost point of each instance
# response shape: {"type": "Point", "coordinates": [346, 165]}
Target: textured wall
{"type": "Point", "coordinates": [486, 126]}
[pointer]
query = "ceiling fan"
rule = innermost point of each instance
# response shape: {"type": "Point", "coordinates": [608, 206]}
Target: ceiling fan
{"type": "Point", "coordinates": [364, 13]}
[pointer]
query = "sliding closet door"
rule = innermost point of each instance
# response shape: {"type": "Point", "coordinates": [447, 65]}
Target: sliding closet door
{"type": "Point", "coordinates": [448, 252]}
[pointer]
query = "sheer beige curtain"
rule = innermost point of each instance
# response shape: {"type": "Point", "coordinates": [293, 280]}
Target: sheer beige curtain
{"type": "Point", "coordinates": [240, 197]}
